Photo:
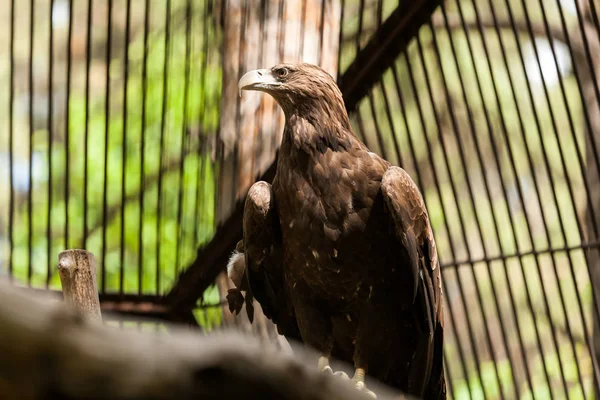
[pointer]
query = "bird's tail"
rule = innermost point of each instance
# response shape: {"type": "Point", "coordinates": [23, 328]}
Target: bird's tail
{"type": "Point", "coordinates": [436, 388]}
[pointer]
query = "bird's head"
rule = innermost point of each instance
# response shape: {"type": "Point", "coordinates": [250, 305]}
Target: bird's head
{"type": "Point", "coordinates": [299, 88]}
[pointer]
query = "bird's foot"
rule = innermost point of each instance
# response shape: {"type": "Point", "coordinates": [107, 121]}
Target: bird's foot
{"type": "Point", "coordinates": [323, 364]}
{"type": "Point", "coordinates": [361, 387]}
{"type": "Point", "coordinates": [359, 382]}
{"type": "Point", "coordinates": [235, 298]}
{"type": "Point", "coordinates": [325, 367]}
{"type": "Point", "coordinates": [342, 375]}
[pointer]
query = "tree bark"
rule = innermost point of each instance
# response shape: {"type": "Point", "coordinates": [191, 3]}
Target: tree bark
{"type": "Point", "coordinates": [50, 351]}
{"type": "Point", "coordinates": [77, 270]}
{"type": "Point", "coordinates": [260, 34]}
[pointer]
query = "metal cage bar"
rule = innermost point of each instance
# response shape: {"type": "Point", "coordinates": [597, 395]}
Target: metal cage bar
{"type": "Point", "coordinates": [492, 106]}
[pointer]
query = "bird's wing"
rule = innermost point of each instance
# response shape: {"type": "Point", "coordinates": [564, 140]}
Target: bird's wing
{"type": "Point", "coordinates": [263, 259]}
{"type": "Point", "coordinates": [411, 221]}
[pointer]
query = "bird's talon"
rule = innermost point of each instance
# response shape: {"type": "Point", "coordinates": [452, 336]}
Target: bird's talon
{"type": "Point", "coordinates": [342, 375]}
{"type": "Point", "coordinates": [327, 368]}
{"type": "Point", "coordinates": [361, 387]}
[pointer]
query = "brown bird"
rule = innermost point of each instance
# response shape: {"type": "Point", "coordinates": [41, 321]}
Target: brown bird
{"type": "Point", "coordinates": [339, 251]}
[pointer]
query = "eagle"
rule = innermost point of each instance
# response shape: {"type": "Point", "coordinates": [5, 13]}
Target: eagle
{"type": "Point", "coordinates": [339, 250]}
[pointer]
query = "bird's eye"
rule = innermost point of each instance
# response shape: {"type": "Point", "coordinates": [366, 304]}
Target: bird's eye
{"type": "Point", "coordinates": [282, 72]}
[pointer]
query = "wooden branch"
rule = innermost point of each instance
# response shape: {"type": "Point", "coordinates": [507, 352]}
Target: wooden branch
{"type": "Point", "coordinates": [77, 271]}
{"type": "Point", "coordinates": [49, 351]}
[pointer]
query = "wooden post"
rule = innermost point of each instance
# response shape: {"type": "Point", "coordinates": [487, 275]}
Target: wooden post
{"type": "Point", "coordinates": [77, 270]}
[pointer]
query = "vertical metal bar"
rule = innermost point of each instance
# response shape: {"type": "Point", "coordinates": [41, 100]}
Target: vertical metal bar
{"type": "Point", "coordinates": [489, 196]}
{"type": "Point", "coordinates": [390, 119]}
{"type": "Point", "coordinates": [571, 195]}
{"type": "Point", "coordinates": [391, 123]}
{"type": "Point", "coordinates": [238, 113]}
{"type": "Point", "coordinates": [582, 169]}
{"type": "Point", "coordinates": [219, 162]}
{"type": "Point", "coordinates": [217, 32]}
{"type": "Point", "coordinates": [597, 93]}
{"type": "Point", "coordinates": [594, 14]}
{"type": "Point", "coordinates": [11, 156]}
{"type": "Point", "coordinates": [281, 40]}
{"type": "Point", "coordinates": [580, 88]}
{"type": "Point", "coordinates": [302, 31]}
{"type": "Point", "coordinates": [587, 118]}
{"type": "Point", "coordinates": [106, 144]}
{"type": "Point", "coordinates": [361, 128]}
{"type": "Point", "coordinates": [143, 150]}
{"type": "Point", "coordinates": [513, 164]}
{"type": "Point", "coordinates": [257, 143]}
{"type": "Point", "coordinates": [202, 135]}
{"type": "Point", "coordinates": [588, 56]}
{"type": "Point", "coordinates": [425, 196]}
{"type": "Point", "coordinates": [322, 31]}
{"type": "Point", "coordinates": [466, 241]}
{"type": "Point", "coordinates": [379, 12]}
{"type": "Point", "coordinates": [30, 170]}
{"type": "Point", "coordinates": [49, 255]}
{"type": "Point", "coordinates": [361, 13]}
{"type": "Point", "coordinates": [67, 123]}
{"type": "Point", "coordinates": [188, 38]}
{"type": "Point", "coordinates": [464, 167]}
{"type": "Point", "coordinates": [88, 56]}
{"type": "Point", "coordinates": [124, 149]}
{"type": "Point", "coordinates": [282, 29]}
{"type": "Point", "coordinates": [340, 40]}
{"type": "Point", "coordinates": [162, 142]}
{"type": "Point", "coordinates": [495, 152]}
{"type": "Point", "coordinates": [452, 244]}
{"type": "Point", "coordinates": [546, 162]}
{"type": "Point", "coordinates": [377, 127]}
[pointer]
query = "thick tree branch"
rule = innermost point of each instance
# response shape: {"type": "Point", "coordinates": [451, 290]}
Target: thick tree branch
{"type": "Point", "coordinates": [49, 351]}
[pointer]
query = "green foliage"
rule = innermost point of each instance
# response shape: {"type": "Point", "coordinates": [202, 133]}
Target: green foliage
{"type": "Point", "coordinates": [210, 317]}
{"type": "Point", "coordinates": [171, 229]}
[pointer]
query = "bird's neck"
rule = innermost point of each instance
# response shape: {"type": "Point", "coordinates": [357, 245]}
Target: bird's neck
{"type": "Point", "coordinates": [316, 134]}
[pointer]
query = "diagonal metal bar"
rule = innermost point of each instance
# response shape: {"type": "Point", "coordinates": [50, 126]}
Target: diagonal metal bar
{"type": "Point", "coordinates": [388, 42]}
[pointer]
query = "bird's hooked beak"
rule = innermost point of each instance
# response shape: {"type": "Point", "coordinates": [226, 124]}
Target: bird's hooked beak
{"type": "Point", "coordinates": [258, 79]}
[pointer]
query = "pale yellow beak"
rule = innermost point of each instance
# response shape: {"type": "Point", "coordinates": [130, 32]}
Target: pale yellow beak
{"type": "Point", "coordinates": [258, 79]}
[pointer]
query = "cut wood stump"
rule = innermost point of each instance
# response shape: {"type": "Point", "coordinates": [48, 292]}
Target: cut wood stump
{"type": "Point", "coordinates": [77, 271]}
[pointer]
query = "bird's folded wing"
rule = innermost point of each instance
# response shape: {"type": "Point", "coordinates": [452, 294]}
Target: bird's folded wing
{"type": "Point", "coordinates": [411, 221]}
{"type": "Point", "coordinates": [263, 257]}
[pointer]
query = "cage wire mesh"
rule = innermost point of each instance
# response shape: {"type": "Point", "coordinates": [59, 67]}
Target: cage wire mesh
{"type": "Point", "coordinates": [109, 110]}
{"type": "Point", "coordinates": [116, 139]}
{"type": "Point", "coordinates": [490, 111]}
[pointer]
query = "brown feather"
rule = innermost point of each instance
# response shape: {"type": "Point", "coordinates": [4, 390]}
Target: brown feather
{"type": "Point", "coordinates": [356, 266]}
